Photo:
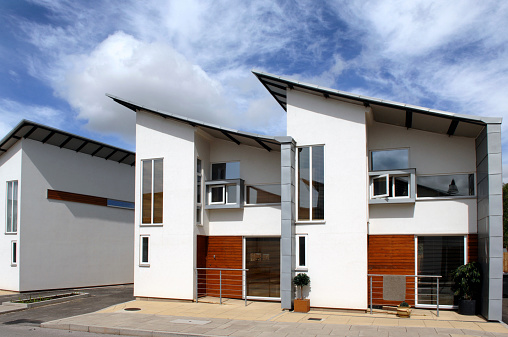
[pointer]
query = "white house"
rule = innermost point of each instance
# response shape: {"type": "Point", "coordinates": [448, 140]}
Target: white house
{"type": "Point", "coordinates": [359, 186]}
{"type": "Point", "coordinates": [68, 210]}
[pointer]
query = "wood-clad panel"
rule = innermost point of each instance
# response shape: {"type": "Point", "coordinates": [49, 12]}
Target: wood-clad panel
{"type": "Point", "coordinates": [75, 197]}
{"type": "Point", "coordinates": [391, 255]}
{"type": "Point", "coordinates": [472, 248]}
{"type": "Point", "coordinates": [220, 252]}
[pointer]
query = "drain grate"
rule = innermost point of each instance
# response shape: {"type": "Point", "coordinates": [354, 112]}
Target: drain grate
{"type": "Point", "coordinates": [132, 309]}
{"type": "Point", "coordinates": [314, 319]}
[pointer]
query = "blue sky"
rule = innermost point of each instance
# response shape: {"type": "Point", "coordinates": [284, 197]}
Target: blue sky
{"type": "Point", "coordinates": [59, 58]}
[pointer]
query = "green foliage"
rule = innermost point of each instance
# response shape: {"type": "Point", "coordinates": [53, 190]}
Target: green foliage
{"type": "Point", "coordinates": [404, 305]}
{"type": "Point", "coordinates": [467, 279]}
{"type": "Point", "coordinates": [505, 215]}
{"type": "Point", "coordinates": [301, 280]}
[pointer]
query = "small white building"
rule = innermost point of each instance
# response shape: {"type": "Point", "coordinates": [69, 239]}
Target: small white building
{"type": "Point", "coordinates": [68, 210]}
{"type": "Point", "coordinates": [359, 186]}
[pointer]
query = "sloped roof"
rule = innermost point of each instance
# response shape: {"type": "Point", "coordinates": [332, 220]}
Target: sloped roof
{"type": "Point", "coordinates": [395, 113]}
{"type": "Point", "coordinates": [65, 140]}
{"type": "Point", "coordinates": [239, 137]}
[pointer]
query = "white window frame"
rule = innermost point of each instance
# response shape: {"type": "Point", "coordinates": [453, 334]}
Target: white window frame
{"type": "Point", "coordinates": [141, 262]}
{"type": "Point", "coordinates": [297, 245]}
{"type": "Point", "coordinates": [151, 223]}
{"type": "Point", "coordinates": [14, 253]}
{"type": "Point", "coordinates": [16, 222]}
{"type": "Point", "coordinates": [297, 187]}
{"type": "Point", "coordinates": [199, 205]}
{"type": "Point", "coordinates": [223, 187]}
{"type": "Point", "coordinates": [387, 177]}
{"type": "Point", "coordinates": [226, 194]}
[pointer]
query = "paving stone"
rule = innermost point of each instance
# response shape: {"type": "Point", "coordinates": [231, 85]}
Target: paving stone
{"type": "Point", "coordinates": [103, 330]}
{"type": "Point", "coordinates": [78, 327]}
{"type": "Point", "coordinates": [136, 332]}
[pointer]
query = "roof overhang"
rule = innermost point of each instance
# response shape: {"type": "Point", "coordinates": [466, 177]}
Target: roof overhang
{"type": "Point", "coordinates": [389, 112]}
{"type": "Point", "coordinates": [65, 140]}
{"type": "Point", "coordinates": [239, 137]}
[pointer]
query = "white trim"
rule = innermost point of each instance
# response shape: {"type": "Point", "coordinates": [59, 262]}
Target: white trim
{"type": "Point", "coordinates": [387, 183]}
{"type": "Point", "coordinates": [299, 267]}
{"type": "Point", "coordinates": [151, 223]}
{"type": "Point", "coordinates": [14, 253]}
{"type": "Point", "coordinates": [141, 263]}
{"type": "Point", "coordinates": [297, 161]}
{"type": "Point", "coordinates": [16, 222]}
{"type": "Point", "coordinates": [210, 202]}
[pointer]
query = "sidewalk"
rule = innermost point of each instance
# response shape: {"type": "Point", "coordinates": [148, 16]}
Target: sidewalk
{"type": "Point", "coordinates": [159, 318]}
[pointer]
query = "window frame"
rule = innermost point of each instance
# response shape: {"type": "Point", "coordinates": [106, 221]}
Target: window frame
{"type": "Point", "coordinates": [246, 193]}
{"type": "Point", "coordinates": [15, 206]}
{"type": "Point", "coordinates": [297, 185]}
{"type": "Point", "coordinates": [371, 162]}
{"type": "Point", "coordinates": [383, 199]}
{"type": "Point", "coordinates": [141, 262]}
{"type": "Point", "coordinates": [151, 223]}
{"type": "Point", "coordinates": [199, 186]}
{"type": "Point", "coordinates": [14, 253]}
{"type": "Point", "coordinates": [386, 176]}
{"type": "Point", "coordinates": [305, 266]}
{"type": "Point", "coordinates": [223, 188]}
{"type": "Point", "coordinates": [448, 196]}
{"type": "Point", "coordinates": [226, 169]}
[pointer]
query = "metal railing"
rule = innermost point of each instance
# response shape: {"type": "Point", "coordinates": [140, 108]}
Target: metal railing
{"type": "Point", "coordinates": [419, 289]}
{"type": "Point", "coordinates": [220, 282]}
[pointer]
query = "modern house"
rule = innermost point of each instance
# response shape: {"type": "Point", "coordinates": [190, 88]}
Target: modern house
{"type": "Point", "coordinates": [359, 186]}
{"type": "Point", "coordinates": [68, 207]}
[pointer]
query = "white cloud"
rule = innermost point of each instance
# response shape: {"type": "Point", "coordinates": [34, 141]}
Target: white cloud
{"type": "Point", "coordinates": [13, 112]}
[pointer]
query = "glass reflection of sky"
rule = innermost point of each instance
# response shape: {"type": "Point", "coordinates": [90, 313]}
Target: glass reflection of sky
{"type": "Point", "coordinates": [441, 184]}
{"type": "Point", "coordinates": [390, 160]}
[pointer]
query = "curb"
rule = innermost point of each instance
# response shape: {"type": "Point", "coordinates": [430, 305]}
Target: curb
{"type": "Point", "coordinates": [5, 307]}
{"type": "Point", "coordinates": [114, 331]}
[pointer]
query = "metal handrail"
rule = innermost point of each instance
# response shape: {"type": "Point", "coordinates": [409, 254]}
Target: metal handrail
{"type": "Point", "coordinates": [437, 277]}
{"type": "Point", "coordinates": [220, 279]}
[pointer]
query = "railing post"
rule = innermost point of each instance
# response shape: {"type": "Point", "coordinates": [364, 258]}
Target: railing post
{"type": "Point", "coordinates": [437, 297]}
{"type": "Point", "coordinates": [220, 286]}
{"type": "Point", "coordinates": [196, 285]}
{"type": "Point", "coordinates": [371, 295]}
{"type": "Point", "coordinates": [244, 285]}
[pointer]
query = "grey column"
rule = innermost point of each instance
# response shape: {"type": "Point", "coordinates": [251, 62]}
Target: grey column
{"type": "Point", "coordinates": [287, 240]}
{"type": "Point", "coordinates": [489, 184]}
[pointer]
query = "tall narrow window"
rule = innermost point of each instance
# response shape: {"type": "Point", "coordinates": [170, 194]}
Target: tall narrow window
{"type": "Point", "coordinates": [311, 183]}
{"type": "Point", "coordinates": [152, 191]}
{"type": "Point", "coordinates": [14, 253]}
{"type": "Point", "coordinates": [301, 251]}
{"type": "Point", "coordinates": [198, 191]}
{"type": "Point", "coordinates": [12, 207]}
{"type": "Point", "coordinates": [143, 258]}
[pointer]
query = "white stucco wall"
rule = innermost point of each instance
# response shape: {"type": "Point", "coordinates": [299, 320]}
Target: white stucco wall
{"type": "Point", "coordinates": [429, 153]}
{"type": "Point", "coordinates": [172, 244]}
{"type": "Point", "coordinates": [10, 169]}
{"type": "Point", "coordinates": [337, 250]}
{"type": "Point", "coordinates": [68, 244]}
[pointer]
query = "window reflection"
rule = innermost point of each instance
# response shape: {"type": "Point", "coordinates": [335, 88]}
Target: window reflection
{"type": "Point", "coordinates": [445, 185]}
{"type": "Point", "coordinates": [263, 194]}
{"type": "Point", "coordinates": [390, 160]}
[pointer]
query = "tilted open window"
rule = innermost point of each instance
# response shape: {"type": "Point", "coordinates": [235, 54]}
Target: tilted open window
{"type": "Point", "coordinates": [394, 186]}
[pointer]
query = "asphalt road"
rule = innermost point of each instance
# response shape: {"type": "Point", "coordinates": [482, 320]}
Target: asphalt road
{"type": "Point", "coordinates": [26, 322]}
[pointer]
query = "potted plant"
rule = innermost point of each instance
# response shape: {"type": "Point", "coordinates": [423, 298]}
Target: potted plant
{"type": "Point", "coordinates": [301, 305]}
{"type": "Point", "coordinates": [404, 310]}
{"type": "Point", "coordinates": [467, 280]}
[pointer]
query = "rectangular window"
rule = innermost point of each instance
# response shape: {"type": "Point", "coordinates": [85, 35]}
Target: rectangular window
{"type": "Point", "coordinates": [144, 250]}
{"type": "Point", "coordinates": [389, 160]}
{"type": "Point", "coordinates": [263, 194]}
{"type": "Point", "coordinates": [152, 190]}
{"type": "Point", "coordinates": [438, 255]}
{"type": "Point", "coordinates": [388, 185]}
{"type": "Point", "coordinates": [12, 207]}
{"type": "Point", "coordinates": [311, 185]}
{"type": "Point", "coordinates": [198, 191]}
{"type": "Point", "coordinates": [217, 194]}
{"type": "Point", "coordinates": [14, 253]}
{"type": "Point", "coordinates": [221, 171]}
{"type": "Point", "coordinates": [301, 251]}
{"type": "Point", "coordinates": [453, 185]}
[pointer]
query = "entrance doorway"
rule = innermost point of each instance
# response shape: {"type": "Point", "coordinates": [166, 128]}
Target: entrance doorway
{"type": "Point", "coordinates": [262, 259]}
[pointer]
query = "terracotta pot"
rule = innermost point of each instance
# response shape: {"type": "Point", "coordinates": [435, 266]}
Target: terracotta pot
{"type": "Point", "coordinates": [302, 305]}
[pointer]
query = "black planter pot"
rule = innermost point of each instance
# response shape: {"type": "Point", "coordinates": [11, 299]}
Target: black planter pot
{"type": "Point", "coordinates": [467, 307]}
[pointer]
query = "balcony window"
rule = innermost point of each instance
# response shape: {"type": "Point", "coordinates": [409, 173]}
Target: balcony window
{"type": "Point", "coordinates": [394, 186]}
{"type": "Point", "coordinates": [385, 160]}
{"type": "Point", "coordinates": [438, 186]}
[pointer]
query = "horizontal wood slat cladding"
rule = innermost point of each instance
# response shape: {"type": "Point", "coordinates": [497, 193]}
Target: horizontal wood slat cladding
{"type": "Point", "coordinates": [472, 248]}
{"type": "Point", "coordinates": [220, 252]}
{"type": "Point", "coordinates": [391, 255]}
{"type": "Point", "coordinates": [75, 197]}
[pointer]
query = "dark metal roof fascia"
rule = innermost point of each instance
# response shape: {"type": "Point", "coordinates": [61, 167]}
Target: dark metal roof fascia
{"type": "Point", "coordinates": [371, 100]}
{"type": "Point", "coordinates": [194, 122]}
{"type": "Point", "coordinates": [24, 122]}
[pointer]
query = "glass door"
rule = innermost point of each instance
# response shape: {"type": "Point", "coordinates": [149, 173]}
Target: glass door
{"type": "Point", "coordinates": [262, 259]}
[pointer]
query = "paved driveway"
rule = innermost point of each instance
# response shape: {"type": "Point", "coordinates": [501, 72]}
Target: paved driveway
{"type": "Point", "coordinates": [26, 322]}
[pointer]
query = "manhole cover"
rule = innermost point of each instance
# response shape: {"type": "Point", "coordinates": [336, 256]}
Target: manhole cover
{"type": "Point", "coordinates": [132, 309]}
{"type": "Point", "coordinates": [314, 319]}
